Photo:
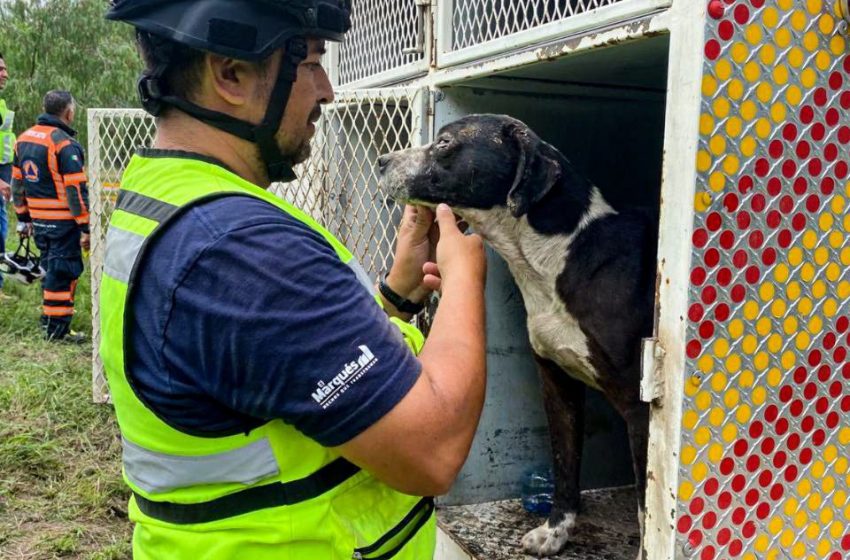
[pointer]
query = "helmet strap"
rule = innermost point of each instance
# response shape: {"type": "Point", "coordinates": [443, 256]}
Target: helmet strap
{"type": "Point", "coordinates": [278, 165]}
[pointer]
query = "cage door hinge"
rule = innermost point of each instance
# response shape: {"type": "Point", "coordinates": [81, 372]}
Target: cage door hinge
{"type": "Point", "coordinates": [421, 16]}
{"type": "Point", "coordinates": [651, 372]}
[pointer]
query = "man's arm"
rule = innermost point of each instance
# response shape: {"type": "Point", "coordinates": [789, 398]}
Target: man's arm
{"type": "Point", "coordinates": [422, 443]}
{"type": "Point", "coordinates": [19, 197]}
{"type": "Point", "coordinates": [72, 169]}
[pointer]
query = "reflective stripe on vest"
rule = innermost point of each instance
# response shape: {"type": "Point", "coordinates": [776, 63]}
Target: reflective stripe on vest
{"type": "Point", "coordinates": [243, 495]}
{"type": "Point", "coordinates": [7, 136]}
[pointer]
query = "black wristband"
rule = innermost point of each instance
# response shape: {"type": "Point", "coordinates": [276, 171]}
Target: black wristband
{"type": "Point", "coordinates": [402, 304]}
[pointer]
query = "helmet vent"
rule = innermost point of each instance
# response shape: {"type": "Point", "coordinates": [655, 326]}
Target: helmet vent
{"type": "Point", "coordinates": [234, 34]}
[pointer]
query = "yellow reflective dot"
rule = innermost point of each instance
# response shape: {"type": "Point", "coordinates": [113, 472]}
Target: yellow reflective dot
{"type": "Point", "coordinates": [717, 145]}
{"type": "Point", "coordinates": [689, 419]}
{"type": "Point", "coordinates": [774, 377]}
{"type": "Point", "coordinates": [735, 89]}
{"type": "Point", "coordinates": [845, 256]}
{"type": "Point", "coordinates": [733, 363]}
{"type": "Point", "coordinates": [752, 72]}
{"type": "Point", "coordinates": [730, 432]}
{"type": "Point", "coordinates": [826, 515]}
{"type": "Point", "coordinates": [818, 469]}
{"type": "Point", "coordinates": [731, 164]}
{"type": "Point", "coordinates": [778, 308]}
{"type": "Point", "coordinates": [798, 550]}
{"type": "Point", "coordinates": [823, 61]}
{"type": "Point", "coordinates": [832, 272]}
{"type": "Point", "coordinates": [846, 221]}
{"type": "Point", "coordinates": [739, 52]}
{"type": "Point", "coordinates": [717, 181]}
{"type": "Point", "coordinates": [790, 325]}
{"type": "Point", "coordinates": [718, 382]}
{"type": "Point", "coordinates": [781, 272]}
{"type": "Point", "coordinates": [702, 400]}
{"type": "Point", "coordinates": [763, 128]}
{"type": "Point", "coordinates": [837, 45]}
{"type": "Point", "coordinates": [746, 379]}
{"type": "Point", "coordinates": [751, 310]}
{"type": "Point", "coordinates": [748, 146]}
{"type": "Point", "coordinates": [689, 454]}
{"type": "Point", "coordinates": [736, 328]}
{"type": "Point", "coordinates": [774, 343]}
{"type": "Point", "coordinates": [825, 221]}
{"type": "Point", "coordinates": [767, 53]}
{"type": "Point", "coordinates": [836, 530]}
{"type": "Point", "coordinates": [801, 519]}
{"type": "Point", "coordinates": [815, 325]}
{"type": "Point", "coordinates": [763, 326]}
{"type": "Point", "coordinates": [721, 347]}
{"type": "Point", "coordinates": [783, 37]}
{"type": "Point", "coordinates": [802, 340]}
{"type": "Point", "coordinates": [709, 86]}
{"type": "Point", "coordinates": [761, 360]}
{"type": "Point", "coordinates": [795, 58]}
{"type": "Point", "coordinates": [734, 126]}
{"type": "Point", "coordinates": [778, 112]}
{"type": "Point", "coordinates": [702, 436]}
{"type": "Point", "coordinates": [810, 41]}
{"type": "Point", "coordinates": [805, 306]}
{"type": "Point", "coordinates": [705, 363]}
{"type": "Point", "coordinates": [723, 69]}
{"type": "Point", "coordinates": [836, 239]}
{"type": "Point", "coordinates": [702, 201]}
{"type": "Point", "coordinates": [686, 490]}
{"type": "Point", "coordinates": [786, 538]}
{"type": "Point", "coordinates": [766, 291]}
{"type": "Point", "coordinates": [699, 472]}
{"type": "Point", "coordinates": [814, 6]}
{"type": "Point", "coordinates": [764, 92]}
{"type": "Point", "coordinates": [837, 204]}
{"type": "Point", "coordinates": [721, 107]}
{"type": "Point", "coordinates": [826, 24]}
{"type": "Point", "coordinates": [810, 239]}
{"type": "Point", "coordinates": [780, 75]}
{"type": "Point", "coordinates": [830, 453]}
{"type": "Point", "coordinates": [819, 289]}
{"type": "Point", "coordinates": [808, 78]}
{"type": "Point", "coordinates": [795, 256]}
{"type": "Point", "coordinates": [791, 506]}
{"type": "Point", "coordinates": [753, 34]}
{"type": "Point", "coordinates": [807, 272]}
{"type": "Point", "coordinates": [788, 360]}
{"type": "Point", "coordinates": [749, 344]}
{"type": "Point", "coordinates": [761, 543]}
{"type": "Point", "coordinates": [793, 290]}
{"type": "Point", "coordinates": [814, 502]}
{"type": "Point", "coordinates": [775, 525]}
{"type": "Point", "coordinates": [770, 17]}
{"type": "Point", "coordinates": [715, 453]}
{"type": "Point", "coordinates": [731, 398]}
{"type": "Point", "coordinates": [703, 161]}
{"type": "Point", "coordinates": [821, 256]}
{"type": "Point", "coordinates": [798, 20]}
{"type": "Point", "coordinates": [749, 110]}
{"type": "Point", "coordinates": [843, 289]}
{"type": "Point", "coordinates": [841, 465]}
{"type": "Point", "coordinates": [743, 414]}
{"type": "Point", "coordinates": [844, 436]}
{"type": "Point", "coordinates": [706, 124]}
{"type": "Point", "coordinates": [824, 546]}
{"type": "Point", "coordinates": [794, 95]}
{"type": "Point", "coordinates": [830, 307]}
{"type": "Point", "coordinates": [759, 396]}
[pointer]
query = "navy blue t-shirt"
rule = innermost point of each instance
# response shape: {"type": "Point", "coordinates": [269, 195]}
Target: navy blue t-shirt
{"type": "Point", "coordinates": [242, 314]}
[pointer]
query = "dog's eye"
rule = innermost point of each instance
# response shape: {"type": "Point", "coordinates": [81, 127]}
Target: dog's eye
{"type": "Point", "coordinates": [442, 142]}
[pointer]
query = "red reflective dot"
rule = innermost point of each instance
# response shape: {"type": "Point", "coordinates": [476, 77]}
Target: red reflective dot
{"type": "Point", "coordinates": [711, 486]}
{"type": "Point", "coordinates": [741, 447]}
{"type": "Point", "coordinates": [724, 536]}
{"type": "Point", "coordinates": [738, 293]}
{"type": "Point", "coordinates": [800, 185]}
{"type": "Point", "coordinates": [706, 329]}
{"type": "Point", "coordinates": [738, 482]}
{"type": "Point", "coordinates": [793, 442]}
{"type": "Point", "coordinates": [721, 312]}
{"type": "Point", "coordinates": [695, 538]}
{"type": "Point", "coordinates": [807, 424]}
{"type": "Point", "coordinates": [832, 117]}
{"type": "Point", "coordinates": [752, 497]}
{"type": "Point", "coordinates": [745, 184]}
{"type": "Point", "coordinates": [769, 256]}
{"type": "Point", "coordinates": [727, 465]}
{"type": "Point", "coordinates": [743, 220]}
{"type": "Point", "coordinates": [779, 459]}
{"type": "Point", "coordinates": [684, 524]}
{"type": "Point", "coordinates": [776, 492]}
{"type": "Point", "coordinates": [724, 500]}
{"type": "Point", "coordinates": [810, 390]}
{"type": "Point", "coordinates": [711, 257]}
{"type": "Point", "coordinates": [789, 168]}
{"type": "Point", "coordinates": [756, 429]}
{"type": "Point", "coordinates": [713, 221]}
{"type": "Point", "coordinates": [730, 202]}
{"type": "Point", "coordinates": [839, 354]}
{"type": "Point", "coordinates": [709, 294]}
{"type": "Point", "coordinates": [738, 515]}
{"type": "Point", "coordinates": [815, 167]}
{"type": "Point", "coordinates": [835, 389]}
{"type": "Point", "coordinates": [845, 404]}
{"type": "Point", "coordinates": [695, 312]}
{"type": "Point", "coordinates": [786, 204]}
{"type": "Point", "coordinates": [789, 132]}
{"type": "Point", "coordinates": [762, 167]}
{"type": "Point", "coordinates": [845, 542]}
{"type": "Point", "coordinates": [845, 100]}
{"type": "Point", "coordinates": [774, 186]}
{"type": "Point", "coordinates": [824, 373]}
{"type": "Point", "coordinates": [753, 463]}
{"type": "Point", "coordinates": [806, 456]}
{"type": "Point", "coordinates": [820, 97]}
{"type": "Point", "coordinates": [756, 239]}
{"type": "Point", "coordinates": [696, 506]}
{"type": "Point", "coordinates": [818, 437]}
{"type": "Point", "coordinates": [763, 510]}
{"type": "Point", "coordinates": [822, 405]}
{"type": "Point", "coordinates": [742, 14]}
{"type": "Point", "coordinates": [727, 239]}
{"type": "Point", "coordinates": [835, 80]}
{"type": "Point", "coordinates": [700, 238]}
{"type": "Point", "coordinates": [765, 478]}
{"type": "Point", "coordinates": [813, 203]}
{"type": "Point", "coordinates": [784, 238]}
{"type": "Point", "coordinates": [771, 413]}
{"type": "Point", "coordinates": [785, 393]}
{"type": "Point", "coordinates": [781, 426]}
{"type": "Point", "coordinates": [693, 349]}
{"type": "Point", "coordinates": [749, 529]}
{"type": "Point", "coordinates": [841, 169]}
{"type": "Point", "coordinates": [739, 259]}
{"type": "Point", "coordinates": [827, 185]}
{"type": "Point", "coordinates": [845, 371]}
{"type": "Point", "coordinates": [798, 222]}
{"type": "Point", "coordinates": [698, 276]}
{"type": "Point", "coordinates": [724, 276]}
{"type": "Point", "coordinates": [775, 149]}
{"type": "Point", "coordinates": [757, 3]}
{"type": "Point", "coordinates": [707, 553]}
{"type": "Point", "coordinates": [752, 274]}
{"type": "Point", "coordinates": [842, 324]}
{"type": "Point", "coordinates": [814, 357]}
{"type": "Point", "coordinates": [796, 408]}
{"type": "Point", "coordinates": [790, 473]}
{"type": "Point", "coordinates": [767, 446]}
{"type": "Point", "coordinates": [773, 219]}
{"type": "Point", "coordinates": [758, 202]}
{"type": "Point", "coordinates": [712, 49]}
{"type": "Point", "coordinates": [735, 547]}
{"type": "Point", "coordinates": [807, 114]}
{"type": "Point", "coordinates": [725, 30]}
{"type": "Point", "coordinates": [830, 153]}
{"type": "Point", "coordinates": [817, 132]}
{"type": "Point", "coordinates": [829, 341]}
{"type": "Point", "coordinates": [800, 374]}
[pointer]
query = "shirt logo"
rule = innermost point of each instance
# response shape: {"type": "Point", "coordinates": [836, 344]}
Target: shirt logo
{"type": "Point", "coordinates": [327, 391]}
{"type": "Point", "coordinates": [30, 171]}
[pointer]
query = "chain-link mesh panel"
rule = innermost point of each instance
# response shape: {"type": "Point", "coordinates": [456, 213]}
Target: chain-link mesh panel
{"type": "Point", "coordinates": [337, 185]}
{"type": "Point", "coordinates": [764, 469]}
{"type": "Point", "coordinates": [381, 30]}
{"type": "Point", "coordinates": [477, 21]}
{"type": "Point", "coordinates": [114, 135]}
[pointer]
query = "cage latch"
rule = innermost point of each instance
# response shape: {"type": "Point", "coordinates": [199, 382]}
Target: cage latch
{"type": "Point", "coordinates": [422, 7]}
{"type": "Point", "coordinates": [651, 374]}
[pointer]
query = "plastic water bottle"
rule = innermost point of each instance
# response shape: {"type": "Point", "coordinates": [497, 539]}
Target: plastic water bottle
{"type": "Point", "coordinates": [538, 486]}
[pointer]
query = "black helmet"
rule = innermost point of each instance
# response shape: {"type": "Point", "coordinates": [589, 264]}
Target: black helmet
{"type": "Point", "coordinates": [243, 29]}
{"type": "Point", "coordinates": [23, 265]}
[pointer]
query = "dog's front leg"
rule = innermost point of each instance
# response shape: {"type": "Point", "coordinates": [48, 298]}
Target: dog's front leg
{"type": "Point", "coordinates": [563, 399]}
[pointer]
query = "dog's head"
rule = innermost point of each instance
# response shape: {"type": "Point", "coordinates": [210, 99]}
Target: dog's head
{"type": "Point", "coordinates": [477, 162]}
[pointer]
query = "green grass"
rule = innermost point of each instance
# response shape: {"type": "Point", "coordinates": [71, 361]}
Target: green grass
{"type": "Point", "coordinates": [61, 494]}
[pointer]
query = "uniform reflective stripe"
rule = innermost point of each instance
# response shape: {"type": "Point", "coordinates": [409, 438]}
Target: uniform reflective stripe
{"type": "Point", "coordinates": [57, 296]}
{"type": "Point", "coordinates": [122, 246]}
{"type": "Point", "coordinates": [16, 173]}
{"type": "Point", "coordinates": [46, 203]}
{"type": "Point", "coordinates": [144, 206]}
{"type": "Point", "coordinates": [51, 214]}
{"type": "Point", "coordinates": [74, 178]}
{"type": "Point", "coordinates": [62, 145]}
{"type": "Point", "coordinates": [155, 472]}
{"type": "Point", "coordinates": [58, 311]}
{"type": "Point", "coordinates": [362, 276]}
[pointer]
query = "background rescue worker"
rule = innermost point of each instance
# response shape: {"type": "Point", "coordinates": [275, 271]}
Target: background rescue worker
{"type": "Point", "coordinates": [269, 407]}
{"type": "Point", "coordinates": [7, 149]}
{"type": "Point", "coordinates": [50, 193]}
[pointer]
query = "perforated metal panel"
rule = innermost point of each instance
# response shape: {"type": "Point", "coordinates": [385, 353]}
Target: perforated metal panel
{"type": "Point", "coordinates": [477, 21]}
{"type": "Point", "coordinates": [764, 467]}
{"type": "Point", "coordinates": [381, 32]}
{"type": "Point", "coordinates": [337, 185]}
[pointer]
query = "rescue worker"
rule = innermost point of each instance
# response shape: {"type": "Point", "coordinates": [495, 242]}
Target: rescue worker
{"type": "Point", "coordinates": [269, 408]}
{"type": "Point", "coordinates": [50, 194]}
{"type": "Point", "coordinates": [7, 149]}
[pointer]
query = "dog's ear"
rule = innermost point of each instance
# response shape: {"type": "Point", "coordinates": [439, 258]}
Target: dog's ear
{"type": "Point", "coordinates": [536, 171]}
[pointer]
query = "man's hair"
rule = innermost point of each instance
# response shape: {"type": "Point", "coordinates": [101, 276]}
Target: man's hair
{"type": "Point", "coordinates": [184, 64]}
{"type": "Point", "coordinates": [56, 101]}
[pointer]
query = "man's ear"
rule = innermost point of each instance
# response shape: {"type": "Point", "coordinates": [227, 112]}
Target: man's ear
{"type": "Point", "coordinates": [230, 79]}
{"type": "Point", "coordinates": [536, 171]}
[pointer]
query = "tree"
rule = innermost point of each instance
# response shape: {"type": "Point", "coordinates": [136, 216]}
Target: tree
{"type": "Point", "coordinates": [66, 44]}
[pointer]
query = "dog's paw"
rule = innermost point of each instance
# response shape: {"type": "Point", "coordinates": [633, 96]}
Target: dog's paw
{"type": "Point", "coordinates": [546, 540]}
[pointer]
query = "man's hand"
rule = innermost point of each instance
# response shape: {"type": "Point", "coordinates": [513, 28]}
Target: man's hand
{"type": "Point", "coordinates": [85, 241]}
{"type": "Point", "coordinates": [417, 238]}
{"type": "Point", "coordinates": [24, 229]}
{"type": "Point", "coordinates": [457, 253]}
{"type": "Point", "coordinates": [5, 190]}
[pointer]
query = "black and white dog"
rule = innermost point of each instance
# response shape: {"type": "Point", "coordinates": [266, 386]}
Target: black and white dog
{"type": "Point", "coordinates": [586, 272]}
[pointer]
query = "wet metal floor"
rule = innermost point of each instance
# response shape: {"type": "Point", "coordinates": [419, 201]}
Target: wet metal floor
{"type": "Point", "coordinates": [607, 528]}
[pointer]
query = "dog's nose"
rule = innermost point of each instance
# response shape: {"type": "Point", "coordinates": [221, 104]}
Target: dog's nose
{"type": "Point", "coordinates": [383, 162]}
